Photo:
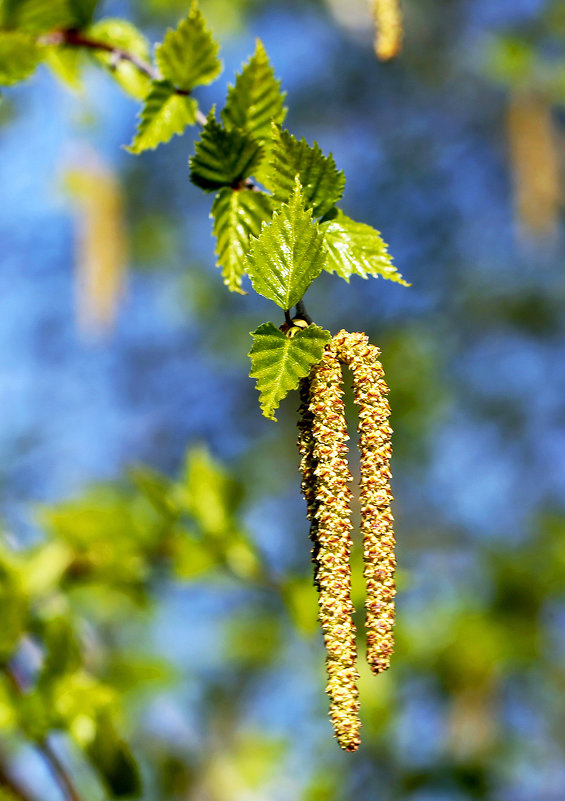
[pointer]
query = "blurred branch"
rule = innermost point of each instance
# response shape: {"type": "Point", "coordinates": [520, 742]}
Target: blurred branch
{"type": "Point", "coordinates": [45, 748]}
{"type": "Point", "coordinates": [74, 38]}
{"type": "Point", "coordinates": [9, 783]}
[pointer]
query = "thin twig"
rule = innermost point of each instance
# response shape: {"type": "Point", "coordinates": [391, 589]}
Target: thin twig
{"type": "Point", "coordinates": [59, 771]}
{"type": "Point", "coordinates": [74, 38]}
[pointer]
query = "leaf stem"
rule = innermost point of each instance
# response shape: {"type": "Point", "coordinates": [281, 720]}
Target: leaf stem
{"type": "Point", "coordinates": [70, 37]}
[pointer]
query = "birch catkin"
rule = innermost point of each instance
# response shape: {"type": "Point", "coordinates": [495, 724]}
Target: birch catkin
{"type": "Point", "coordinates": [331, 532]}
{"type": "Point", "coordinates": [323, 450]}
{"type": "Point", "coordinates": [370, 395]}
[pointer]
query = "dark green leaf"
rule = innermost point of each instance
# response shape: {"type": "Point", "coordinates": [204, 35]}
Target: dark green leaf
{"type": "Point", "coordinates": [237, 214]}
{"type": "Point", "coordinates": [114, 761]}
{"type": "Point", "coordinates": [322, 182]}
{"type": "Point", "coordinates": [278, 362]}
{"type": "Point", "coordinates": [256, 99]}
{"type": "Point", "coordinates": [82, 11]}
{"type": "Point", "coordinates": [164, 114]}
{"type": "Point", "coordinates": [37, 15]}
{"type": "Point", "coordinates": [354, 248]}
{"type": "Point", "coordinates": [288, 254]}
{"type": "Point", "coordinates": [188, 56]}
{"type": "Point", "coordinates": [223, 158]}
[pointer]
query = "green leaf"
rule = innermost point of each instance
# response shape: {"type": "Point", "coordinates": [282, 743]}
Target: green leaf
{"type": "Point", "coordinates": [82, 11]}
{"type": "Point", "coordinates": [223, 158]}
{"type": "Point", "coordinates": [256, 99]}
{"type": "Point", "coordinates": [288, 254]}
{"type": "Point", "coordinates": [14, 605]}
{"type": "Point", "coordinates": [209, 494]}
{"type": "Point", "coordinates": [188, 56]}
{"type": "Point", "coordinates": [65, 63]}
{"type": "Point", "coordinates": [62, 650]}
{"type": "Point", "coordinates": [122, 35]}
{"type": "Point", "coordinates": [322, 182]}
{"type": "Point", "coordinates": [237, 216]}
{"type": "Point", "coordinates": [353, 248]}
{"type": "Point", "coordinates": [164, 114]}
{"type": "Point", "coordinates": [279, 362]}
{"type": "Point", "coordinates": [37, 15]}
{"type": "Point", "coordinates": [19, 56]}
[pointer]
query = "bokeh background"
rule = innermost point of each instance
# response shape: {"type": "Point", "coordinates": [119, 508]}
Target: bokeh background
{"type": "Point", "coordinates": [454, 151]}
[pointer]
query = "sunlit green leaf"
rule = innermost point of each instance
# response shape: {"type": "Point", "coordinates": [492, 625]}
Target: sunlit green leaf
{"type": "Point", "coordinates": [209, 493]}
{"type": "Point", "coordinates": [288, 254]}
{"type": "Point", "coordinates": [164, 114]}
{"type": "Point", "coordinates": [237, 216]}
{"type": "Point", "coordinates": [188, 56]}
{"type": "Point", "coordinates": [44, 567]}
{"type": "Point", "coordinates": [192, 558]}
{"type": "Point", "coordinates": [278, 362]}
{"type": "Point", "coordinates": [65, 63]}
{"type": "Point", "coordinates": [19, 56]}
{"type": "Point", "coordinates": [223, 158]}
{"type": "Point", "coordinates": [321, 181]}
{"type": "Point", "coordinates": [353, 248]}
{"type": "Point", "coordinates": [256, 98]}
{"type": "Point", "coordinates": [123, 35]}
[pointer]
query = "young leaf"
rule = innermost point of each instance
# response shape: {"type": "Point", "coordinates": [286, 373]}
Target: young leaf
{"type": "Point", "coordinates": [237, 216]}
{"type": "Point", "coordinates": [256, 99]}
{"type": "Point", "coordinates": [164, 114]}
{"type": "Point", "coordinates": [322, 182]}
{"type": "Point", "coordinates": [353, 248]}
{"type": "Point", "coordinates": [123, 35]}
{"type": "Point", "coordinates": [279, 362]}
{"type": "Point", "coordinates": [223, 158]}
{"type": "Point", "coordinates": [188, 56]}
{"type": "Point", "coordinates": [288, 254]}
{"type": "Point", "coordinates": [19, 56]}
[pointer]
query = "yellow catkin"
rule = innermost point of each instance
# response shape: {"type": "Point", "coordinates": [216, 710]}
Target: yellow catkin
{"type": "Point", "coordinates": [389, 28]}
{"type": "Point", "coordinates": [329, 508]}
{"type": "Point", "coordinates": [325, 478]}
{"type": "Point", "coordinates": [370, 394]}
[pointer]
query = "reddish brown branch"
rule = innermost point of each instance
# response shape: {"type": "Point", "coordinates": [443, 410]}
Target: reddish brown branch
{"type": "Point", "coordinates": [74, 38]}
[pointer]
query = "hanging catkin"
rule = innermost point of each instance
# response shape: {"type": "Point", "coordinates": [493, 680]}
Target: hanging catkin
{"type": "Point", "coordinates": [370, 395]}
{"type": "Point", "coordinates": [323, 450]}
{"type": "Point", "coordinates": [327, 493]}
{"type": "Point", "coordinates": [389, 28]}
